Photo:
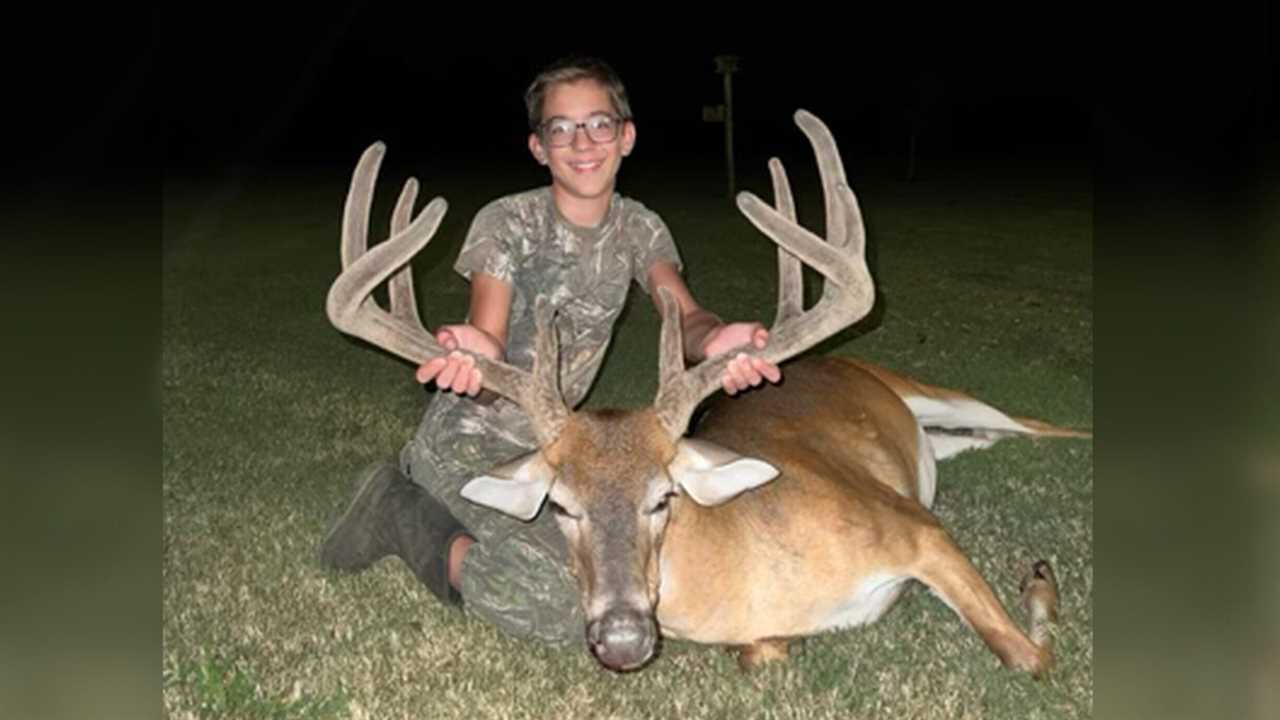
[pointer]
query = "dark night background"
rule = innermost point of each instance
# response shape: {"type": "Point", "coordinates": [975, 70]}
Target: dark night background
{"type": "Point", "coordinates": [223, 94]}
{"type": "Point", "coordinates": [448, 102]}
{"type": "Point", "coordinates": [207, 94]}
{"type": "Point", "coordinates": [446, 95]}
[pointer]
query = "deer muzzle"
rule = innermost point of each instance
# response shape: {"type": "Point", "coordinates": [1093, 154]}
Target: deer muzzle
{"type": "Point", "coordinates": [623, 638]}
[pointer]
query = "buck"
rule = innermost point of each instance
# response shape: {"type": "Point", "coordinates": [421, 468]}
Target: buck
{"type": "Point", "coordinates": [790, 511]}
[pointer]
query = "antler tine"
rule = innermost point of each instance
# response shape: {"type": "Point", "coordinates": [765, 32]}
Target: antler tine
{"type": "Point", "coordinates": [355, 214]}
{"type": "Point", "coordinates": [847, 295]}
{"type": "Point", "coordinates": [844, 219]}
{"type": "Point", "coordinates": [830, 169]}
{"type": "Point", "coordinates": [353, 310]}
{"type": "Point", "coordinates": [403, 303]}
{"type": "Point", "coordinates": [670, 342]}
{"type": "Point", "coordinates": [790, 272]}
{"type": "Point", "coordinates": [545, 402]}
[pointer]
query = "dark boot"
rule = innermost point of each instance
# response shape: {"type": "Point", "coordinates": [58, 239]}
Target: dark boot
{"type": "Point", "coordinates": [390, 515]}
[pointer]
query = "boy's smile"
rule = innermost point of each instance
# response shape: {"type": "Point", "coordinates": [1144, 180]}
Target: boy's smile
{"type": "Point", "coordinates": [586, 166]}
{"type": "Point", "coordinates": [584, 172]}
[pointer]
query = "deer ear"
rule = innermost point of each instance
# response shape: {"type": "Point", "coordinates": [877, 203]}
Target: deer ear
{"type": "Point", "coordinates": [517, 488]}
{"type": "Point", "coordinates": [712, 475]}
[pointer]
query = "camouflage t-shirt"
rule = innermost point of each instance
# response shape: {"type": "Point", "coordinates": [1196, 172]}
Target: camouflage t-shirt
{"type": "Point", "coordinates": [523, 240]}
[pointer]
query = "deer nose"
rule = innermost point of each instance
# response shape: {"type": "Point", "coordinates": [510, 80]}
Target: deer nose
{"type": "Point", "coordinates": [622, 639]}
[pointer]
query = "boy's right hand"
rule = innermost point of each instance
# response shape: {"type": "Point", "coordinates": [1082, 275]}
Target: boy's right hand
{"type": "Point", "coordinates": [456, 372]}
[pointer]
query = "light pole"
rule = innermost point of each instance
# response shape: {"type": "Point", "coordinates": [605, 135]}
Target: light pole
{"type": "Point", "coordinates": [727, 65]}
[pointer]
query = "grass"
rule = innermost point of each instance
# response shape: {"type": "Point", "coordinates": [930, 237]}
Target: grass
{"type": "Point", "coordinates": [221, 689]}
{"type": "Point", "coordinates": [985, 284]}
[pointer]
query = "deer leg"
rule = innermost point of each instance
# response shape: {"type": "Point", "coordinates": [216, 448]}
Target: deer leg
{"type": "Point", "coordinates": [953, 578]}
{"type": "Point", "coordinates": [762, 651]}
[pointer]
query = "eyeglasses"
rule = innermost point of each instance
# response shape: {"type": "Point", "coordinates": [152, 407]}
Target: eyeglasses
{"type": "Point", "coordinates": [600, 127]}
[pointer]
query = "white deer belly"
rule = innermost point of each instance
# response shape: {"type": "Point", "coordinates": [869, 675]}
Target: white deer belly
{"type": "Point", "coordinates": [870, 599]}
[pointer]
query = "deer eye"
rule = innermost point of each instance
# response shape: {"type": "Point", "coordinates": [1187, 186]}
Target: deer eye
{"type": "Point", "coordinates": [559, 509]}
{"type": "Point", "coordinates": [663, 503]}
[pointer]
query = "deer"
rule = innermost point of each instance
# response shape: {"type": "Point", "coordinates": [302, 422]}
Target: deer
{"type": "Point", "coordinates": [789, 511]}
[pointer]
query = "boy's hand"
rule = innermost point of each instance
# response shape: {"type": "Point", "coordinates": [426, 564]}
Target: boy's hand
{"type": "Point", "coordinates": [456, 372]}
{"type": "Point", "coordinates": [743, 371]}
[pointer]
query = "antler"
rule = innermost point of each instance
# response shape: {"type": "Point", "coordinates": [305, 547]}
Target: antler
{"type": "Point", "coordinates": [353, 310]}
{"type": "Point", "coordinates": [847, 295]}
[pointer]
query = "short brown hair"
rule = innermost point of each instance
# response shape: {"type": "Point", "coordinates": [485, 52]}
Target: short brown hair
{"type": "Point", "coordinates": [570, 70]}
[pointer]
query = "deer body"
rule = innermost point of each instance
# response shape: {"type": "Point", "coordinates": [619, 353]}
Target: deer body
{"type": "Point", "coordinates": [787, 559]}
{"type": "Point", "coordinates": [792, 510]}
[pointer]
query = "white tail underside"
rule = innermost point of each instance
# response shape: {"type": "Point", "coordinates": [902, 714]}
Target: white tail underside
{"type": "Point", "coordinates": [956, 425]}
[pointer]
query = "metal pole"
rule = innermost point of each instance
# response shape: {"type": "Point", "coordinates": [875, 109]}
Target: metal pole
{"type": "Point", "coordinates": [728, 128]}
{"type": "Point", "coordinates": [726, 65]}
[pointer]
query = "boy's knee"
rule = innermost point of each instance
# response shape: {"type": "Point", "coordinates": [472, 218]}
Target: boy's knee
{"type": "Point", "coordinates": [523, 589]}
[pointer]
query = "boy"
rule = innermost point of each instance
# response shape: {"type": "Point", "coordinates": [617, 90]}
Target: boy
{"type": "Point", "coordinates": [580, 244]}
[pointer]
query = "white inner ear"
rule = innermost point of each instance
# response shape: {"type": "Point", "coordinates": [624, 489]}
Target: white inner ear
{"type": "Point", "coordinates": [711, 474]}
{"type": "Point", "coordinates": [517, 488]}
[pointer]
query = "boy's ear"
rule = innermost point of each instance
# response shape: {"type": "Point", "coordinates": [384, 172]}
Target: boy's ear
{"type": "Point", "coordinates": [628, 137]}
{"type": "Point", "coordinates": [535, 147]}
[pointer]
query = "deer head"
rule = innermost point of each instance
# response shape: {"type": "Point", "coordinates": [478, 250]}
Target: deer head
{"type": "Point", "coordinates": [613, 477]}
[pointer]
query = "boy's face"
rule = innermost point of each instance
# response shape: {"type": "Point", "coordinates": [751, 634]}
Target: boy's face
{"type": "Point", "coordinates": [583, 169]}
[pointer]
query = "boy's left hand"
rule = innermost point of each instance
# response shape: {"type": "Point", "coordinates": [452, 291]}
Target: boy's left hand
{"type": "Point", "coordinates": [743, 371]}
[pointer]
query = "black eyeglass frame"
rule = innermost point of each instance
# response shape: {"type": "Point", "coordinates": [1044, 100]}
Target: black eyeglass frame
{"type": "Point", "coordinates": [618, 121]}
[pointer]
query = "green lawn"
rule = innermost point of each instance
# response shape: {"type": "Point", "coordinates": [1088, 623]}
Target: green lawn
{"type": "Point", "coordinates": [985, 285]}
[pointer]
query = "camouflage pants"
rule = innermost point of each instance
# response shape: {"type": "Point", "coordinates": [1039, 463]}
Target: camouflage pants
{"type": "Point", "coordinates": [516, 574]}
